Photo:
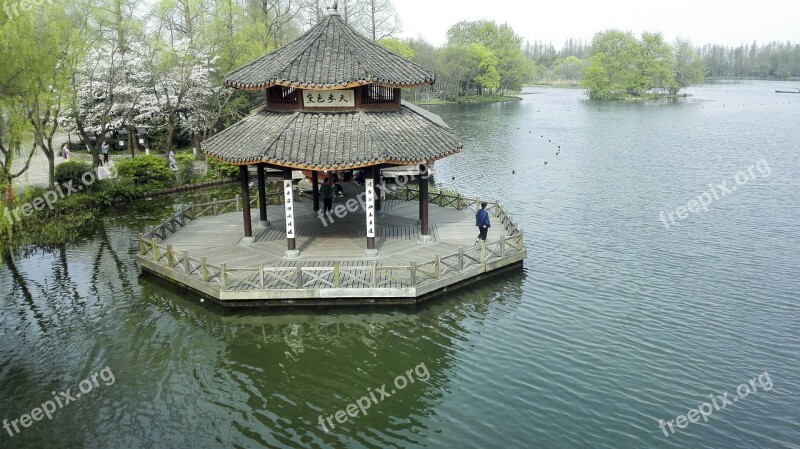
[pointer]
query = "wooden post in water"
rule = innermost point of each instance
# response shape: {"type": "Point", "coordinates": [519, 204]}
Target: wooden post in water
{"type": "Point", "coordinates": [223, 275]}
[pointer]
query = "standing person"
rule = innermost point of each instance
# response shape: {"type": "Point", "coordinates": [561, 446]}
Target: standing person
{"type": "Point", "coordinates": [326, 192]}
{"type": "Point", "coordinates": [65, 150]}
{"type": "Point", "coordinates": [482, 222]}
{"type": "Point", "coordinates": [104, 152]}
{"type": "Point", "coordinates": [172, 164]}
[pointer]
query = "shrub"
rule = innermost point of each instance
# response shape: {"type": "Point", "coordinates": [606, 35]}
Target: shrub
{"type": "Point", "coordinates": [185, 173]}
{"type": "Point", "coordinates": [221, 170]}
{"type": "Point", "coordinates": [149, 169]}
{"type": "Point", "coordinates": [73, 171]}
{"type": "Point", "coordinates": [119, 189]}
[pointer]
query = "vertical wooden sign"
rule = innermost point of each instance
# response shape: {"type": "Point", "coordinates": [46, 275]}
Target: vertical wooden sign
{"type": "Point", "coordinates": [289, 207]}
{"type": "Point", "coordinates": [370, 188]}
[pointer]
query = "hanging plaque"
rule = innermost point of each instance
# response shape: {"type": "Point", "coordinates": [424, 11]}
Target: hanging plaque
{"type": "Point", "coordinates": [289, 208]}
{"type": "Point", "coordinates": [370, 204]}
{"type": "Point", "coordinates": [329, 98]}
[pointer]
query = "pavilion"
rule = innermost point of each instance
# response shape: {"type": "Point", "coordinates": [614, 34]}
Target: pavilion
{"type": "Point", "coordinates": [333, 102]}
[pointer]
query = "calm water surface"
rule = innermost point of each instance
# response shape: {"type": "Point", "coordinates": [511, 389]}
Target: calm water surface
{"type": "Point", "coordinates": [616, 321]}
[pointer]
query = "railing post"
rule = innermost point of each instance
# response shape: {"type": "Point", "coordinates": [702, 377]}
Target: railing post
{"type": "Point", "coordinates": [413, 274]}
{"type": "Point", "coordinates": [214, 205]}
{"type": "Point", "coordinates": [191, 210]}
{"type": "Point", "coordinates": [521, 242]}
{"type": "Point", "coordinates": [373, 282]}
{"type": "Point", "coordinates": [203, 269]}
{"type": "Point", "coordinates": [239, 203]}
{"type": "Point", "coordinates": [483, 251]}
{"type": "Point", "coordinates": [299, 276]}
{"type": "Point", "coordinates": [477, 203]}
{"type": "Point", "coordinates": [142, 248]}
{"type": "Point", "coordinates": [461, 258]}
{"type": "Point", "coordinates": [502, 246]}
{"type": "Point", "coordinates": [170, 257]}
{"type": "Point", "coordinates": [438, 264]}
{"type": "Point", "coordinates": [261, 276]}
{"type": "Point", "coordinates": [223, 275]}
{"type": "Point", "coordinates": [337, 281]}
{"type": "Point", "coordinates": [186, 261]}
{"type": "Point", "coordinates": [155, 249]}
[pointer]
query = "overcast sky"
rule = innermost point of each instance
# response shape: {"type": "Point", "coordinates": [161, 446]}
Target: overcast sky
{"type": "Point", "coordinates": [727, 22]}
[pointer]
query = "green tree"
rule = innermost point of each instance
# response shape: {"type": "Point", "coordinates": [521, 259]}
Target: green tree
{"type": "Point", "coordinates": [397, 46]}
{"type": "Point", "coordinates": [503, 42]}
{"type": "Point", "coordinates": [569, 69]}
{"type": "Point", "coordinates": [688, 67]}
{"type": "Point", "coordinates": [457, 69]}
{"type": "Point", "coordinates": [613, 71]}
{"type": "Point", "coordinates": [488, 77]}
{"type": "Point", "coordinates": [655, 65]}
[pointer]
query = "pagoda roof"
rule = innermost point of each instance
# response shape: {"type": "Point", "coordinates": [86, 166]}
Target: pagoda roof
{"type": "Point", "coordinates": [331, 55]}
{"type": "Point", "coordinates": [335, 140]}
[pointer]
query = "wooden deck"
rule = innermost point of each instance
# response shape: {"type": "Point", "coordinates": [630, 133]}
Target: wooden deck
{"type": "Point", "coordinates": [201, 248]}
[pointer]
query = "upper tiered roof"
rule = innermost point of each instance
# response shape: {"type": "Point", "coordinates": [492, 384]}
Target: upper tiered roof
{"type": "Point", "coordinates": [331, 55]}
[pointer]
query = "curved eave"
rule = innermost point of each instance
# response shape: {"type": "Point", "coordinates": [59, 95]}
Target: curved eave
{"type": "Point", "coordinates": [349, 166]}
{"type": "Point", "coordinates": [318, 86]}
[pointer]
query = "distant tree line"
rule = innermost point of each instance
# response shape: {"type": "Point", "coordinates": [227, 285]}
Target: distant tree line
{"type": "Point", "coordinates": [778, 60]}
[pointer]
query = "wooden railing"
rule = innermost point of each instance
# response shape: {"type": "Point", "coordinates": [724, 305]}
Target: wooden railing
{"type": "Point", "coordinates": [333, 274]}
{"type": "Point", "coordinates": [193, 211]}
{"type": "Point", "coordinates": [461, 202]}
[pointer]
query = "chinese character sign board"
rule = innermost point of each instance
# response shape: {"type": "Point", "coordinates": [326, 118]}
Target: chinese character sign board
{"type": "Point", "coordinates": [289, 206]}
{"type": "Point", "coordinates": [370, 187]}
{"type": "Point", "coordinates": [329, 98]}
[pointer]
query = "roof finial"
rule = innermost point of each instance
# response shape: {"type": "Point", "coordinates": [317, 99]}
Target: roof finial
{"type": "Point", "coordinates": [333, 9]}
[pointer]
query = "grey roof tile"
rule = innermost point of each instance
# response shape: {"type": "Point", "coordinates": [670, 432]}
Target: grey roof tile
{"type": "Point", "coordinates": [330, 55]}
{"type": "Point", "coordinates": [335, 140]}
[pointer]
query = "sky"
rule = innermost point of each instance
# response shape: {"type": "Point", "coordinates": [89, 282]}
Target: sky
{"type": "Point", "coordinates": [726, 22]}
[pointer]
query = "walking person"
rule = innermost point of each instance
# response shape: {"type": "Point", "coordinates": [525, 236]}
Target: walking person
{"type": "Point", "coordinates": [482, 222]}
{"type": "Point", "coordinates": [104, 151]}
{"type": "Point", "coordinates": [65, 151]}
{"type": "Point", "coordinates": [326, 192]}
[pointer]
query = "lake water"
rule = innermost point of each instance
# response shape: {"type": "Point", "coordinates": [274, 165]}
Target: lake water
{"type": "Point", "coordinates": [620, 317]}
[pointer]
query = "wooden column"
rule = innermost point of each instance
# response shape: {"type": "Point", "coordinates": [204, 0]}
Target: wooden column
{"type": "Point", "coordinates": [370, 212]}
{"type": "Point", "coordinates": [424, 234]}
{"type": "Point", "coordinates": [262, 195]}
{"type": "Point", "coordinates": [288, 197]}
{"type": "Point", "coordinates": [315, 189]}
{"type": "Point", "coordinates": [248, 227]}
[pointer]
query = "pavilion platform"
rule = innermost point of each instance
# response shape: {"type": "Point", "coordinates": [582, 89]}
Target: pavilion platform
{"type": "Point", "coordinates": [201, 248]}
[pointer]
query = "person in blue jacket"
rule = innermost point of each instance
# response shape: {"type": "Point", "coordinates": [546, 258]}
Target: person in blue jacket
{"type": "Point", "coordinates": [482, 222]}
